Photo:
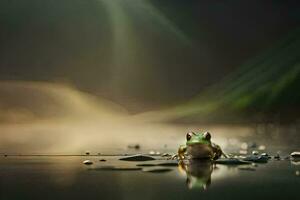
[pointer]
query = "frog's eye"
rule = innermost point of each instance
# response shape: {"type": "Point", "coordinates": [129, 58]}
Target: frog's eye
{"type": "Point", "coordinates": [207, 135]}
{"type": "Point", "coordinates": [189, 136]}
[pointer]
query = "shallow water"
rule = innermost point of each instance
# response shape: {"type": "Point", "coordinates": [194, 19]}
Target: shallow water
{"type": "Point", "coordinates": [65, 177]}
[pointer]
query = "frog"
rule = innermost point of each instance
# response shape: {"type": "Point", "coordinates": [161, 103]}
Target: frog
{"type": "Point", "coordinates": [199, 146]}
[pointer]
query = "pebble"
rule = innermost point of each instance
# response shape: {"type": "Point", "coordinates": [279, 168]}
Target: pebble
{"type": "Point", "coordinates": [102, 160]}
{"type": "Point", "coordinates": [166, 155]}
{"type": "Point", "coordinates": [87, 153]}
{"type": "Point", "coordinates": [297, 173]}
{"type": "Point", "coordinates": [256, 159]}
{"type": "Point", "coordinates": [266, 155]}
{"type": "Point", "coordinates": [255, 153]}
{"type": "Point", "coordinates": [137, 158]}
{"type": "Point", "coordinates": [262, 147]}
{"type": "Point", "coordinates": [87, 162]}
{"type": "Point", "coordinates": [295, 154]}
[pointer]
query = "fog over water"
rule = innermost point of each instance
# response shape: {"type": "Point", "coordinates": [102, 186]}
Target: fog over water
{"type": "Point", "coordinates": [44, 117]}
{"type": "Point", "coordinates": [41, 118]}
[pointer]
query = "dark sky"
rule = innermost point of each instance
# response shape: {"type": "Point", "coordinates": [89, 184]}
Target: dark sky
{"type": "Point", "coordinates": [142, 54]}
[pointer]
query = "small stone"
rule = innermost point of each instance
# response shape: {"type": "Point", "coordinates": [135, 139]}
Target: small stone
{"type": "Point", "coordinates": [87, 162]}
{"type": "Point", "coordinates": [152, 152]}
{"type": "Point", "coordinates": [87, 153]}
{"type": "Point", "coordinates": [102, 160]}
{"type": "Point", "coordinates": [297, 173]}
{"type": "Point", "coordinates": [255, 153]}
{"type": "Point", "coordinates": [264, 154]}
{"type": "Point", "coordinates": [256, 159]}
{"type": "Point", "coordinates": [262, 147]}
{"type": "Point", "coordinates": [166, 155]}
{"type": "Point", "coordinates": [295, 154]}
{"type": "Point", "coordinates": [137, 158]}
{"type": "Point", "coordinates": [5, 155]}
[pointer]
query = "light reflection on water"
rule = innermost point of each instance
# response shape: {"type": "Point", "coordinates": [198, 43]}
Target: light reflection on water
{"type": "Point", "coordinates": [67, 177]}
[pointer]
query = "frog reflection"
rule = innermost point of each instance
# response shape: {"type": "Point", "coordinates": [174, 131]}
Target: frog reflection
{"type": "Point", "coordinates": [198, 173]}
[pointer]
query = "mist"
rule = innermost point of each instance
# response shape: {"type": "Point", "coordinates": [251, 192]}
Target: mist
{"type": "Point", "coordinates": [145, 54]}
{"type": "Point", "coordinates": [89, 75]}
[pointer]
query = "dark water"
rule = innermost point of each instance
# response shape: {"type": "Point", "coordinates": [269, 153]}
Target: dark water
{"type": "Point", "coordinates": [67, 178]}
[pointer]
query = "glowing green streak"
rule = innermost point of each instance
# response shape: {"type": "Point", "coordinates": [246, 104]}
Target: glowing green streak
{"type": "Point", "coordinates": [157, 16]}
{"type": "Point", "coordinates": [125, 45]}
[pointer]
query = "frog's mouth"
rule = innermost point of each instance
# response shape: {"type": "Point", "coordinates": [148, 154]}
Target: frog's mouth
{"type": "Point", "coordinates": [200, 151]}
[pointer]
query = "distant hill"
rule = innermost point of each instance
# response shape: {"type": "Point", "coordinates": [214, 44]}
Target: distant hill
{"type": "Point", "coordinates": [23, 101]}
{"type": "Point", "coordinates": [264, 88]}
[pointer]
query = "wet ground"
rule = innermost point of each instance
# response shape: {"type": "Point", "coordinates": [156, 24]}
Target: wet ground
{"type": "Point", "coordinates": [64, 176]}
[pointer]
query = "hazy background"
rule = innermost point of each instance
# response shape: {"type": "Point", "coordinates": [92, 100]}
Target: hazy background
{"type": "Point", "coordinates": [143, 54]}
{"type": "Point", "coordinates": [78, 73]}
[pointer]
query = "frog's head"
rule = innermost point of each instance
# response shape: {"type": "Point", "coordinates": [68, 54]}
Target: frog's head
{"type": "Point", "coordinates": [198, 138]}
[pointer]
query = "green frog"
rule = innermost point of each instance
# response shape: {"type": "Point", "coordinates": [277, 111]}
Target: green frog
{"type": "Point", "coordinates": [199, 146]}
